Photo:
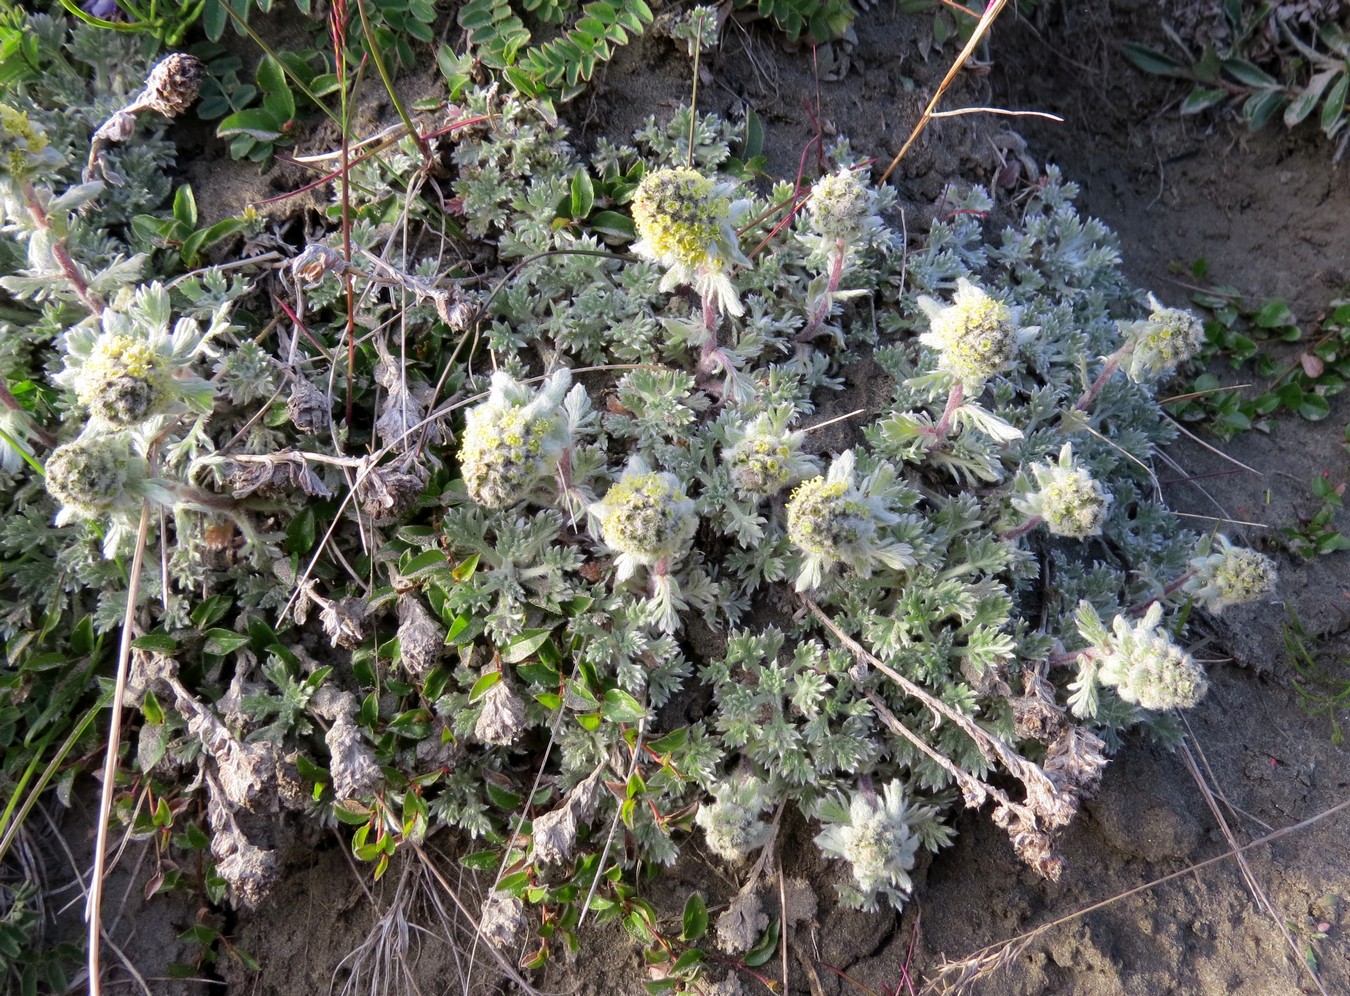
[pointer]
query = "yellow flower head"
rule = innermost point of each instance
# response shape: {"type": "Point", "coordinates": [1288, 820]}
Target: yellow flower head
{"type": "Point", "coordinates": [23, 144]}
{"type": "Point", "coordinates": [647, 517]}
{"type": "Point", "coordinates": [976, 335]}
{"type": "Point", "coordinates": [124, 379]}
{"type": "Point", "coordinates": [684, 222]}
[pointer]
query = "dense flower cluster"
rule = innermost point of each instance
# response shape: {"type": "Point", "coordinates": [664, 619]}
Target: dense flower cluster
{"type": "Point", "coordinates": [1229, 575]}
{"type": "Point", "coordinates": [123, 380]}
{"type": "Point", "coordinates": [1162, 342]}
{"type": "Point", "coordinates": [731, 824]}
{"type": "Point", "coordinates": [686, 223]}
{"type": "Point", "coordinates": [832, 520]}
{"type": "Point", "coordinates": [842, 208]}
{"type": "Point", "coordinates": [646, 517]}
{"type": "Point", "coordinates": [764, 457]}
{"type": "Point", "coordinates": [877, 841]}
{"type": "Point", "coordinates": [513, 440]}
{"type": "Point", "coordinates": [1148, 669]}
{"type": "Point", "coordinates": [976, 336]}
{"type": "Point", "coordinates": [1070, 501]}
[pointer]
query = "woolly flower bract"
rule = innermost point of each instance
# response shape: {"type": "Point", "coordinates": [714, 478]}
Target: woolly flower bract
{"type": "Point", "coordinates": [1068, 498]}
{"type": "Point", "coordinates": [1145, 667]}
{"type": "Point", "coordinates": [731, 824]}
{"type": "Point", "coordinates": [645, 517]}
{"type": "Point", "coordinates": [763, 457]}
{"type": "Point", "coordinates": [514, 440]}
{"type": "Point", "coordinates": [136, 364]}
{"type": "Point", "coordinates": [1162, 342]}
{"type": "Point", "coordinates": [687, 223]}
{"type": "Point", "coordinates": [1229, 575]}
{"type": "Point", "coordinates": [832, 520]}
{"type": "Point", "coordinates": [976, 336]}
{"type": "Point", "coordinates": [877, 841]}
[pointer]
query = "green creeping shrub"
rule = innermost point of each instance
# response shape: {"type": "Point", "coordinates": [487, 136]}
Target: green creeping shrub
{"type": "Point", "coordinates": [473, 603]}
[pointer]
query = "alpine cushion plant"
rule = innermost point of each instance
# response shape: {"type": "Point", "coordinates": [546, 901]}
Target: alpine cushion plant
{"type": "Point", "coordinates": [506, 572]}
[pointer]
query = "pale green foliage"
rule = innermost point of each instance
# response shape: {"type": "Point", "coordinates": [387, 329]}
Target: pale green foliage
{"type": "Point", "coordinates": [516, 580]}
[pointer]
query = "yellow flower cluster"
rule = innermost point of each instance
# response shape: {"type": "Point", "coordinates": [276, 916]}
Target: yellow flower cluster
{"type": "Point", "coordinates": [975, 335]}
{"type": "Point", "coordinates": [679, 216]}
{"type": "Point", "coordinates": [123, 380]}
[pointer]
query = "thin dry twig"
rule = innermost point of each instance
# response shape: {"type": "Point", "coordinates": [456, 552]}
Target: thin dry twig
{"type": "Point", "coordinates": [1253, 886]}
{"type": "Point", "coordinates": [981, 29]}
{"type": "Point", "coordinates": [93, 912]}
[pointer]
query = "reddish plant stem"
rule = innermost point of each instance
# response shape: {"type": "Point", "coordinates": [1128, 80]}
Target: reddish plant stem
{"type": "Point", "coordinates": [1112, 365]}
{"type": "Point", "coordinates": [1023, 529]}
{"type": "Point", "coordinates": [822, 311]}
{"type": "Point", "coordinates": [954, 399]}
{"type": "Point", "coordinates": [59, 251]}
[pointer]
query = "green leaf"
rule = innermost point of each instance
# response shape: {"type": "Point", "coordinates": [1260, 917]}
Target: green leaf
{"type": "Point", "coordinates": [483, 684]}
{"type": "Point", "coordinates": [1261, 106]}
{"type": "Point", "coordinates": [157, 643]}
{"type": "Point", "coordinates": [185, 206]}
{"type": "Point", "coordinates": [764, 949]}
{"type": "Point", "coordinates": [672, 741]}
{"type": "Point", "coordinates": [1314, 407]}
{"type": "Point", "coordinates": [620, 707]}
{"type": "Point", "coordinates": [1302, 105]}
{"type": "Point", "coordinates": [1274, 314]}
{"type": "Point", "coordinates": [465, 568]}
{"type": "Point", "coordinates": [695, 918]}
{"type": "Point", "coordinates": [1334, 106]}
{"type": "Point", "coordinates": [352, 813]}
{"type": "Point", "coordinates": [1201, 98]}
{"type": "Point", "coordinates": [152, 710]}
{"type": "Point", "coordinates": [270, 76]}
{"type": "Point", "coordinates": [620, 226]}
{"type": "Point", "coordinates": [583, 194]}
{"type": "Point", "coordinates": [252, 122]}
{"type": "Point", "coordinates": [520, 648]}
{"type": "Point", "coordinates": [220, 642]}
{"type": "Point", "coordinates": [211, 610]}
{"type": "Point", "coordinates": [300, 532]}
{"type": "Point", "coordinates": [1154, 62]}
{"type": "Point", "coordinates": [1250, 74]}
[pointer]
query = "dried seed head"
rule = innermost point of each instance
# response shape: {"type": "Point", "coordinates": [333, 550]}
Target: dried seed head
{"type": "Point", "coordinates": [344, 620]}
{"type": "Point", "coordinates": [173, 84]}
{"type": "Point", "coordinates": [308, 408]}
{"type": "Point", "coordinates": [386, 495]}
{"type": "Point", "coordinates": [502, 718]}
{"type": "Point", "coordinates": [502, 920]}
{"type": "Point", "coordinates": [420, 637]}
{"type": "Point", "coordinates": [274, 475]}
{"type": "Point", "coordinates": [353, 767]}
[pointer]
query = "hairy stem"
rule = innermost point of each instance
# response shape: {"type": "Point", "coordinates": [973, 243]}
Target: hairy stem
{"type": "Point", "coordinates": [60, 252]}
